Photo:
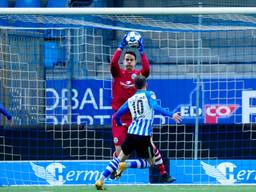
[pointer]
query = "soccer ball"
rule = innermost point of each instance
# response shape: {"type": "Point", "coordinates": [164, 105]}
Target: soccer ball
{"type": "Point", "coordinates": [133, 38]}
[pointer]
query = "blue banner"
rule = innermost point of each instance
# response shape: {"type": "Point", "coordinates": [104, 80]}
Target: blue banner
{"type": "Point", "coordinates": [64, 173]}
{"type": "Point", "coordinates": [91, 103]}
{"type": "Point", "coordinates": [223, 101]}
{"type": "Point", "coordinates": [226, 172]}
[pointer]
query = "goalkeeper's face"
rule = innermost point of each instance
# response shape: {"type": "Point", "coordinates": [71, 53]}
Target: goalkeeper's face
{"type": "Point", "coordinates": [129, 62]}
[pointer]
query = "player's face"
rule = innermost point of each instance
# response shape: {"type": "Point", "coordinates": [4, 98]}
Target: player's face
{"type": "Point", "coordinates": [129, 62]}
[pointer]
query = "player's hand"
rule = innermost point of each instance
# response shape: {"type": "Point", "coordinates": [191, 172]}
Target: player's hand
{"type": "Point", "coordinates": [177, 117]}
{"type": "Point", "coordinates": [123, 43]}
{"type": "Point", "coordinates": [141, 46]}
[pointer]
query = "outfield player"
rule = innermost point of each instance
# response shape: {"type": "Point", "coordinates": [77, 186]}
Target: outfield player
{"type": "Point", "coordinates": [123, 88]}
{"type": "Point", "coordinates": [6, 114]}
{"type": "Point", "coordinates": [141, 106]}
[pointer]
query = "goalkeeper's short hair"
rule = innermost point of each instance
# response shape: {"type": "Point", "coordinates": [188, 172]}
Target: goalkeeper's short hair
{"type": "Point", "coordinates": [131, 53]}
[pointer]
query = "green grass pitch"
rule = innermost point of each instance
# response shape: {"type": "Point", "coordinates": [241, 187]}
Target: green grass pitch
{"type": "Point", "coordinates": [134, 188]}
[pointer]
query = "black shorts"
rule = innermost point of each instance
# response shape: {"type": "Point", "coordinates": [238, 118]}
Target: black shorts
{"type": "Point", "coordinates": [138, 143]}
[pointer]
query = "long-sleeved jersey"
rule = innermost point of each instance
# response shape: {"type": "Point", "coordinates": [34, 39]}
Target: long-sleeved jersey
{"type": "Point", "coordinates": [5, 112]}
{"type": "Point", "coordinates": [142, 106]}
{"type": "Point", "coordinates": [123, 81]}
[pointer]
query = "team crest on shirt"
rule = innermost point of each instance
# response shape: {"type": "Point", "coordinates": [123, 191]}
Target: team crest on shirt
{"type": "Point", "coordinates": [133, 76]}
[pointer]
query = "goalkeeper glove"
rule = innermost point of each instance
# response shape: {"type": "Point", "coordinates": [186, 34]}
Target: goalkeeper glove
{"type": "Point", "coordinates": [141, 46]}
{"type": "Point", "coordinates": [123, 42]}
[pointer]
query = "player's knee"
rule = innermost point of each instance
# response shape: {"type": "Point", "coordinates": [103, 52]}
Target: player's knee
{"type": "Point", "coordinates": [115, 154]}
{"type": "Point", "coordinates": [117, 151]}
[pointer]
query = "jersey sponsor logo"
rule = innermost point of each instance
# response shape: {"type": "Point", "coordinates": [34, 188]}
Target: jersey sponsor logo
{"type": "Point", "coordinates": [127, 84]}
{"type": "Point", "coordinates": [214, 112]}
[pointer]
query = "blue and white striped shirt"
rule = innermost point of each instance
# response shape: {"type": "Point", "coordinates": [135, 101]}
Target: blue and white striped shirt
{"type": "Point", "coordinates": [142, 106]}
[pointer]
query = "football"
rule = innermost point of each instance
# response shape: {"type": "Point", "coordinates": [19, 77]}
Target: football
{"type": "Point", "coordinates": [133, 39]}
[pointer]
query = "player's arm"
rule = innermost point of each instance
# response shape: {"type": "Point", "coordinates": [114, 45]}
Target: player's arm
{"type": "Point", "coordinates": [121, 111]}
{"type": "Point", "coordinates": [5, 112]}
{"type": "Point", "coordinates": [153, 103]}
{"type": "Point", "coordinates": [175, 116]}
{"type": "Point", "coordinates": [144, 60]}
{"type": "Point", "coordinates": [115, 67]}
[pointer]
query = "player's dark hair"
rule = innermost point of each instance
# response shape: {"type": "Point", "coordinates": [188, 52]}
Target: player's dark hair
{"type": "Point", "coordinates": [130, 53]}
{"type": "Point", "coordinates": [140, 81]}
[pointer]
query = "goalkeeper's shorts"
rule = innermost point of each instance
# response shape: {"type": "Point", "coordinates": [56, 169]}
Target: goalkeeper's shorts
{"type": "Point", "coordinates": [120, 132]}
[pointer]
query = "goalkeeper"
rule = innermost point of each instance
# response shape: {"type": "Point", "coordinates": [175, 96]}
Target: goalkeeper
{"type": "Point", "coordinates": [6, 114]}
{"type": "Point", "coordinates": [123, 88]}
{"type": "Point", "coordinates": [142, 106]}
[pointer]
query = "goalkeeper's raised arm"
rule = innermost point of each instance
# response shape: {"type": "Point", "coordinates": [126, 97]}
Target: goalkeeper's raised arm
{"type": "Point", "coordinates": [115, 68]}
